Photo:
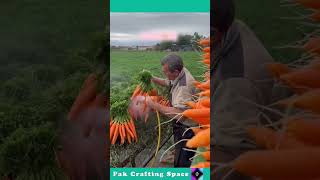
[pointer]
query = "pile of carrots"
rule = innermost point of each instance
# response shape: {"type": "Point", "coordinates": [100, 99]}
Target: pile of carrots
{"type": "Point", "coordinates": [291, 151]}
{"type": "Point", "coordinates": [200, 111]}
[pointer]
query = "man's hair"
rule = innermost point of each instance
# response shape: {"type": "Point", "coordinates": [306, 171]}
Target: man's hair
{"type": "Point", "coordinates": [223, 14]}
{"type": "Point", "coordinates": [174, 62]}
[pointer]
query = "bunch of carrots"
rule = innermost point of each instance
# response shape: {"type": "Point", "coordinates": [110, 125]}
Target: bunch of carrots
{"type": "Point", "coordinates": [292, 151]}
{"type": "Point", "coordinates": [200, 111]}
{"type": "Point", "coordinates": [145, 88]}
{"type": "Point", "coordinates": [121, 125]}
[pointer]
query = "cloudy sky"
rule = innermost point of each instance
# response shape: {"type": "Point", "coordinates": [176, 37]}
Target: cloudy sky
{"type": "Point", "coordinates": [149, 28]}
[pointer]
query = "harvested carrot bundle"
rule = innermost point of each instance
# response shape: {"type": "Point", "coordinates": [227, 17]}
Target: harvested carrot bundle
{"type": "Point", "coordinates": [305, 130]}
{"type": "Point", "coordinates": [200, 140]}
{"type": "Point", "coordinates": [277, 69]}
{"type": "Point", "coordinates": [309, 101]}
{"type": "Point", "coordinates": [270, 139]}
{"type": "Point", "coordinates": [283, 164]}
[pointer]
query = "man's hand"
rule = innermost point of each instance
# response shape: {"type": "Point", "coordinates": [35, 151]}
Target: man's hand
{"type": "Point", "coordinates": [83, 140]}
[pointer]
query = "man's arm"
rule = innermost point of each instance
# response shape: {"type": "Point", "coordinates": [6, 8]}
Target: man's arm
{"type": "Point", "coordinates": [168, 111]}
{"type": "Point", "coordinates": [159, 81]}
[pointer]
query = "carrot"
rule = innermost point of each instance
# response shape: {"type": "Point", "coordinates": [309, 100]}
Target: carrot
{"type": "Point", "coordinates": [133, 129]}
{"type": "Point", "coordinates": [129, 138]}
{"type": "Point", "coordinates": [308, 101]}
{"type": "Point", "coordinates": [123, 132]}
{"type": "Point", "coordinates": [205, 102]}
{"type": "Point", "coordinates": [270, 139]}
{"type": "Point", "coordinates": [199, 140]}
{"type": "Point", "coordinates": [204, 42]}
{"type": "Point", "coordinates": [126, 125]}
{"type": "Point", "coordinates": [197, 113]}
{"type": "Point", "coordinates": [136, 92]}
{"type": "Point", "coordinates": [99, 101]}
{"type": "Point", "coordinates": [313, 45]}
{"type": "Point", "coordinates": [206, 155]}
{"type": "Point", "coordinates": [86, 95]}
{"type": "Point", "coordinates": [313, 4]}
{"type": "Point", "coordinates": [302, 79]}
{"type": "Point", "coordinates": [202, 165]}
{"type": "Point", "coordinates": [206, 50]}
{"type": "Point", "coordinates": [294, 163]}
{"type": "Point", "coordinates": [305, 130]}
{"type": "Point", "coordinates": [277, 69]}
{"type": "Point", "coordinates": [196, 83]}
{"type": "Point", "coordinates": [206, 61]}
{"type": "Point", "coordinates": [116, 133]}
{"type": "Point", "coordinates": [202, 121]}
{"type": "Point", "coordinates": [112, 129]}
{"type": "Point", "coordinates": [206, 56]}
{"type": "Point", "coordinates": [205, 93]}
{"type": "Point", "coordinates": [205, 85]}
{"type": "Point", "coordinates": [153, 92]}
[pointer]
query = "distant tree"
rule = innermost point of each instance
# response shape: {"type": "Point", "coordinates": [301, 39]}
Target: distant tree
{"type": "Point", "coordinates": [166, 45]}
{"type": "Point", "coordinates": [184, 40]}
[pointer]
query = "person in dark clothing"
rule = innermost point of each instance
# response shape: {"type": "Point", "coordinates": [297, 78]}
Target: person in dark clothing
{"type": "Point", "coordinates": [238, 76]}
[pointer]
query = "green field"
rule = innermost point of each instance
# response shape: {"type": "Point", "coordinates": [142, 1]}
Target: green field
{"type": "Point", "coordinates": [125, 64]}
{"type": "Point", "coordinates": [264, 18]}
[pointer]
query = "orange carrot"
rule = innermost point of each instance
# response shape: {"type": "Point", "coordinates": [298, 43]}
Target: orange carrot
{"type": "Point", "coordinates": [206, 61]}
{"type": "Point", "coordinates": [205, 102]}
{"type": "Point", "coordinates": [277, 69]}
{"type": "Point", "coordinates": [302, 80]}
{"type": "Point", "coordinates": [313, 45]}
{"type": "Point", "coordinates": [270, 139]}
{"type": "Point", "coordinates": [207, 49]}
{"type": "Point", "coordinates": [121, 133]}
{"type": "Point", "coordinates": [294, 163]}
{"type": "Point", "coordinates": [136, 92]}
{"type": "Point", "coordinates": [205, 85]}
{"type": "Point", "coordinates": [126, 125]}
{"type": "Point", "coordinates": [206, 155]}
{"type": "Point", "coordinates": [205, 93]}
{"type": "Point", "coordinates": [206, 56]}
{"type": "Point", "coordinates": [86, 95]}
{"type": "Point", "coordinates": [199, 140]}
{"type": "Point", "coordinates": [153, 92]}
{"type": "Point", "coordinates": [197, 113]}
{"type": "Point", "coordinates": [129, 139]}
{"type": "Point", "coordinates": [204, 42]}
{"type": "Point", "coordinates": [313, 4]}
{"type": "Point", "coordinates": [201, 165]}
{"type": "Point", "coordinates": [308, 101]}
{"type": "Point", "coordinates": [305, 130]}
{"type": "Point", "coordinates": [116, 133]}
{"type": "Point", "coordinates": [112, 129]}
